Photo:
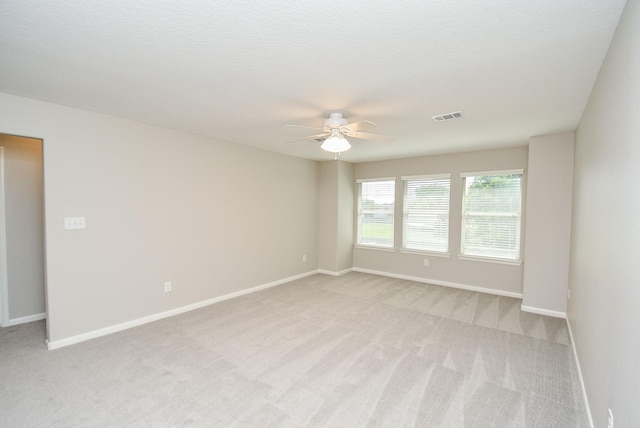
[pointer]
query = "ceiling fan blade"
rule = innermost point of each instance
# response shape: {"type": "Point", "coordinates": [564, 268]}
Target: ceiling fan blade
{"type": "Point", "coordinates": [304, 127]}
{"type": "Point", "coordinates": [369, 136]}
{"type": "Point", "coordinates": [310, 138]}
{"type": "Point", "coordinates": [357, 126]}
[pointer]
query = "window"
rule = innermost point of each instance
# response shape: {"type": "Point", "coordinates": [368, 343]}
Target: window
{"type": "Point", "coordinates": [425, 223]}
{"type": "Point", "coordinates": [375, 212]}
{"type": "Point", "coordinates": [491, 214]}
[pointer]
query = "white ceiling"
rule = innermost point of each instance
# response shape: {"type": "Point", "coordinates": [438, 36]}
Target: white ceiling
{"type": "Point", "coordinates": [240, 70]}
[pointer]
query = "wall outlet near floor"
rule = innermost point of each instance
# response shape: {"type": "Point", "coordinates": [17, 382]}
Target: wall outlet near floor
{"type": "Point", "coordinates": [167, 286]}
{"type": "Point", "coordinates": [610, 419]}
{"type": "Point", "coordinates": [426, 262]}
{"type": "Point", "coordinates": [304, 257]}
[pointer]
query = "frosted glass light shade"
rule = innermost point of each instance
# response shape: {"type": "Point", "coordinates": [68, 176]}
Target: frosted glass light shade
{"type": "Point", "coordinates": [336, 144]}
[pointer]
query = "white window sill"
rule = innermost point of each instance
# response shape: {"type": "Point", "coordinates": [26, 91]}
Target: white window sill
{"type": "Point", "coordinates": [372, 247]}
{"type": "Point", "coordinates": [490, 260]}
{"type": "Point", "coordinates": [424, 253]}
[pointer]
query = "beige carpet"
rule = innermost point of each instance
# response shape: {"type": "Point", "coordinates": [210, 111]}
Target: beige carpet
{"type": "Point", "coordinates": [354, 351]}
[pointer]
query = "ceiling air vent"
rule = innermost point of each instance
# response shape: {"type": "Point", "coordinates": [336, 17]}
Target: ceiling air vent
{"type": "Point", "coordinates": [447, 116]}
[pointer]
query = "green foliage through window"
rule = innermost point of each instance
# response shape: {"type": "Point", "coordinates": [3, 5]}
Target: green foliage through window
{"type": "Point", "coordinates": [491, 216]}
{"type": "Point", "coordinates": [426, 213]}
{"type": "Point", "coordinates": [376, 204]}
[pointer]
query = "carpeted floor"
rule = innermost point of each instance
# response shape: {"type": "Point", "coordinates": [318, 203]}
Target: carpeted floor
{"type": "Point", "coordinates": [353, 351]}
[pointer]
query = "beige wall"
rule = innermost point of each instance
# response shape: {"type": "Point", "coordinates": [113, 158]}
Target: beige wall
{"type": "Point", "coordinates": [335, 223]}
{"type": "Point", "coordinates": [605, 267]}
{"type": "Point", "coordinates": [24, 218]}
{"type": "Point", "coordinates": [493, 277]}
{"type": "Point", "coordinates": [328, 216]}
{"type": "Point", "coordinates": [346, 186]}
{"type": "Point", "coordinates": [160, 205]}
{"type": "Point", "coordinates": [548, 228]}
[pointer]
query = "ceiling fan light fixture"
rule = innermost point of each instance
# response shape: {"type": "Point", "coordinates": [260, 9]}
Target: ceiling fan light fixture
{"type": "Point", "coordinates": [336, 143]}
{"type": "Point", "coordinates": [334, 130]}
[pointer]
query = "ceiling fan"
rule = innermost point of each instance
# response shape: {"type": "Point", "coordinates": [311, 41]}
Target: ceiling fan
{"type": "Point", "coordinates": [336, 128]}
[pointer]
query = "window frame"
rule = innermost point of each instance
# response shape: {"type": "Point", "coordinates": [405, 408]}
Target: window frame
{"type": "Point", "coordinates": [359, 215]}
{"type": "Point", "coordinates": [517, 260]}
{"type": "Point", "coordinates": [446, 213]}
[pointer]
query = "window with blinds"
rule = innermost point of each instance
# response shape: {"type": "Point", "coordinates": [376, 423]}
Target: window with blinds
{"type": "Point", "coordinates": [425, 225]}
{"type": "Point", "coordinates": [376, 202]}
{"type": "Point", "coordinates": [491, 214]}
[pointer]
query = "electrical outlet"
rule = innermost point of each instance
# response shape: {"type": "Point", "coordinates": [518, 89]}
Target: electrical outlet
{"type": "Point", "coordinates": [426, 262]}
{"type": "Point", "coordinates": [610, 419]}
{"type": "Point", "coordinates": [304, 257]}
{"type": "Point", "coordinates": [75, 223]}
{"type": "Point", "coordinates": [167, 286]}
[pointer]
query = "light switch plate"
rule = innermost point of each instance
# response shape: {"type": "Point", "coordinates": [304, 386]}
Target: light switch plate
{"type": "Point", "coordinates": [75, 223]}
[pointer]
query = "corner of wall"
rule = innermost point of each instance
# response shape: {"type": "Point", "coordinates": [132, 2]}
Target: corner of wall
{"type": "Point", "coordinates": [548, 231]}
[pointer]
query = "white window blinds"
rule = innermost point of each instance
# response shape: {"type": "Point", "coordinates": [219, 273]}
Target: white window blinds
{"type": "Point", "coordinates": [376, 204]}
{"type": "Point", "coordinates": [491, 214]}
{"type": "Point", "coordinates": [425, 223]}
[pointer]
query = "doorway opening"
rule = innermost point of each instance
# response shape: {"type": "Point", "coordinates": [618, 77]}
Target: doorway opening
{"type": "Point", "coordinates": [22, 255]}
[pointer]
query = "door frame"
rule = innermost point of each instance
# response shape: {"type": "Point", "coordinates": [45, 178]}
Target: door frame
{"type": "Point", "coordinates": [4, 289]}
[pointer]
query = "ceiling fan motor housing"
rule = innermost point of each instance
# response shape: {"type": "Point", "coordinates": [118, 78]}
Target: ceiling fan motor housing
{"type": "Point", "coordinates": [335, 121]}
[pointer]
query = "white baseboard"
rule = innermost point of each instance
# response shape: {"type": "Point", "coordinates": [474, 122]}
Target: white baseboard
{"type": "Point", "coordinates": [584, 390]}
{"type": "Point", "coordinates": [155, 317]}
{"type": "Point", "coordinates": [540, 311]}
{"type": "Point", "coordinates": [332, 273]}
{"type": "Point", "coordinates": [28, 318]}
{"type": "Point", "coordinates": [443, 283]}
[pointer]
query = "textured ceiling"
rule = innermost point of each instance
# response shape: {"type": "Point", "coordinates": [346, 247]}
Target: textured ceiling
{"type": "Point", "coordinates": [240, 70]}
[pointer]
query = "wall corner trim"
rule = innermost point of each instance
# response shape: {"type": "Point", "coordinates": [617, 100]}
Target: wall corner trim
{"type": "Point", "coordinates": [161, 315]}
{"type": "Point", "coordinates": [584, 390]}
{"type": "Point", "coordinates": [540, 311]}
{"type": "Point", "coordinates": [332, 273]}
